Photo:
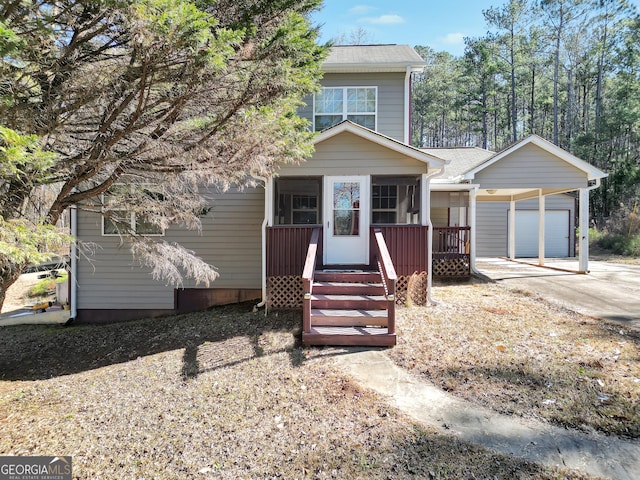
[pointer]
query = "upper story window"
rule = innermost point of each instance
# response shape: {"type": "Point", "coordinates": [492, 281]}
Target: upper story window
{"type": "Point", "coordinates": [332, 105]}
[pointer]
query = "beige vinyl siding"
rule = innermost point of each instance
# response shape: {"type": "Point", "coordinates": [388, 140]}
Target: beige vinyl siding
{"type": "Point", "coordinates": [390, 106]}
{"type": "Point", "coordinates": [349, 154]}
{"type": "Point", "coordinates": [230, 240]}
{"type": "Point", "coordinates": [531, 167]}
{"type": "Point", "coordinates": [492, 219]}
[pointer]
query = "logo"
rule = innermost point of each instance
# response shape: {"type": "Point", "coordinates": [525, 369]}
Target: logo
{"type": "Point", "coordinates": [35, 468]}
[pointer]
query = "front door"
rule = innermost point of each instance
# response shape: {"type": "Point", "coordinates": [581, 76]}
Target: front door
{"type": "Point", "coordinates": [346, 232]}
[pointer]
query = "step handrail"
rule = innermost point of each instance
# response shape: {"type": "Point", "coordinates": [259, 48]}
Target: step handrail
{"type": "Point", "coordinates": [307, 279]}
{"type": "Point", "coordinates": [389, 278]}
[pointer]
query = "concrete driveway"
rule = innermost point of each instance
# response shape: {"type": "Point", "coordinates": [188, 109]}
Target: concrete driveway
{"type": "Point", "coordinates": [610, 291]}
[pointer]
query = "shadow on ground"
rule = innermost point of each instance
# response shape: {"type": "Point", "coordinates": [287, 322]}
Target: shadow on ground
{"type": "Point", "coordinates": [33, 352]}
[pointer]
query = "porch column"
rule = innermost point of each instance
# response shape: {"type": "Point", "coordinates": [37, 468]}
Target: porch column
{"type": "Point", "coordinates": [425, 201]}
{"type": "Point", "coordinates": [472, 233]}
{"type": "Point", "coordinates": [583, 221]}
{"type": "Point", "coordinates": [512, 229]}
{"type": "Point", "coordinates": [541, 216]}
{"type": "Point", "coordinates": [425, 219]}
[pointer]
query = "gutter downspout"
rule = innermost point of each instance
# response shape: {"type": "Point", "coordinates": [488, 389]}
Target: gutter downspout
{"type": "Point", "coordinates": [265, 223]}
{"type": "Point", "coordinates": [426, 219]}
{"type": "Point", "coordinates": [473, 214]}
{"type": "Point", "coordinates": [73, 290]}
{"type": "Point", "coordinates": [407, 106]}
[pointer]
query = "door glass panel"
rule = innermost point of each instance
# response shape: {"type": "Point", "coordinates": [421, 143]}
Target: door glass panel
{"type": "Point", "coordinates": [346, 208]}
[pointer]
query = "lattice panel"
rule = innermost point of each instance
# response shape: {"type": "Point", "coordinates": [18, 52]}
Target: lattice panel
{"type": "Point", "coordinates": [284, 292]}
{"type": "Point", "coordinates": [412, 289]}
{"type": "Point", "coordinates": [451, 267]}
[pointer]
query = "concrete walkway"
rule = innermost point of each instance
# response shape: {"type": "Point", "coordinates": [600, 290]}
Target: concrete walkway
{"type": "Point", "coordinates": [610, 291]}
{"type": "Point", "coordinates": [539, 442]}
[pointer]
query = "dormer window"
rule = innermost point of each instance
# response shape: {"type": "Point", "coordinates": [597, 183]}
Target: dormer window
{"type": "Point", "coordinates": [332, 105]}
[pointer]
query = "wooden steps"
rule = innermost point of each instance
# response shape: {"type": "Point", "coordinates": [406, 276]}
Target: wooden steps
{"type": "Point", "coordinates": [348, 307]}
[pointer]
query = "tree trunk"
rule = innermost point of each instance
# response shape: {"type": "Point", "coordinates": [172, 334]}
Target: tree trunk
{"type": "Point", "coordinates": [514, 108]}
{"type": "Point", "coordinates": [532, 120]}
{"type": "Point", "coordinates": [556, 68]}
{"type": "Point", "coordinates": [8, 276]}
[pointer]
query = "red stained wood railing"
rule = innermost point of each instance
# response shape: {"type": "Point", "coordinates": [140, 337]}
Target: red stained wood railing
{"type": "Point", "coordinates": [451, 241]}
{"type": "Point", "coordinates": [389, 278]}
{"type": "Point", "coordinates": [287, 248]}
{"type": "Point", "coordinates": [307, 279]}
{"type": "Point", "coordinates": [407, 245]}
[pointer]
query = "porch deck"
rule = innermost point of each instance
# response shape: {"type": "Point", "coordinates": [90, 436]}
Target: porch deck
{"type": "Point", "coordinates": [356, 306]}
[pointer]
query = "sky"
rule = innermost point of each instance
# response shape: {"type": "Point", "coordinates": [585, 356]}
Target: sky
{"type": "Point", "coordinates": [439, 24]}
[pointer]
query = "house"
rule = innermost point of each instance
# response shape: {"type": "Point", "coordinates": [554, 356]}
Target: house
{"type": "Point", "coordinates": [362, 225]}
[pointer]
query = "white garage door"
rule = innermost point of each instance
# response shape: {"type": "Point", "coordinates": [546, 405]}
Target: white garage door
{"type": "Point", "coordinates": [556, 233]}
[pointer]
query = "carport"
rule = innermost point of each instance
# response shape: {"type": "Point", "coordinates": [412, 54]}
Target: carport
{"type": "Point", "coordinates": [531, 170]}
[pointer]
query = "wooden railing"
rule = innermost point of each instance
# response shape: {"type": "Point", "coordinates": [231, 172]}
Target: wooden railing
{"type": "Point", "coordinates": [307, 279]}
{"type": "Point", "coordinates": [451, 241]}
{"type": "Point", "coordinates": [389, 278]}
{"type": "Point", "coordinates": [408, 247]}
{"type": "Point", "coordinates": [287, 247]}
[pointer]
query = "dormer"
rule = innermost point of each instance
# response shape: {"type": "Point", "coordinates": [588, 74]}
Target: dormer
{"type": "Point", "coordinates": [369, 85]}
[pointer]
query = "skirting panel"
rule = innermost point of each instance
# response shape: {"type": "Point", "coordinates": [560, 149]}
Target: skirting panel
{"type": "Point", "coordinates": [284, 292]}
{"type": "Point", "coordinates": [451, 267]}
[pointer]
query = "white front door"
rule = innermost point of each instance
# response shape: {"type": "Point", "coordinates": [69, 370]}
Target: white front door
{"type": "Point", "coordinates": [346, 222]}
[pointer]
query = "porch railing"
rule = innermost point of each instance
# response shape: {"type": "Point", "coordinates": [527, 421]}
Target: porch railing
{"type": "Point", "coordinates": [287, 247]}
{"type": "Point", "coordinates": [407, 245]}
{"type": "Point", "coordinates": [389, 278]}
{"type": "Point", "coordinates": [451, 240]}
{"type": "Point", "coordinates": [307, 278]}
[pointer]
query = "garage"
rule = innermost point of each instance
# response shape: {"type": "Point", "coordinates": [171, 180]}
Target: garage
{"type": "Point", "coordinates": [556, 233]}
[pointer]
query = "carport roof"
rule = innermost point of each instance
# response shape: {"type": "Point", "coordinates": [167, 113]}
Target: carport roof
{"type": "Point", "coordinates": [592, 172]}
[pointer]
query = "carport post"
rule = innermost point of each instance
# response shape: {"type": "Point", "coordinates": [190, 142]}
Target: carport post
{"type": "Point", "coordinates": [512, 229]}
{"type": "Point", "coordinates": [541, 216]}
{"type": "Point", "coordinates": [583, 220]}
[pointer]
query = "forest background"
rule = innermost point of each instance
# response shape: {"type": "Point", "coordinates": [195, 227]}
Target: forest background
{"type": "Point", "coordinates": [566, 70]}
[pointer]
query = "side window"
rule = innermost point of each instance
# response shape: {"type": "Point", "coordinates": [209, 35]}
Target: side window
{"type": "Point", "coordinates": [298, 201]}
{"type": "Point", "coordinates": [332, 105]}
{"type": "Point", "coordinates": [122, 221]}
{"type": "Point", "coordinates": [395, 200]}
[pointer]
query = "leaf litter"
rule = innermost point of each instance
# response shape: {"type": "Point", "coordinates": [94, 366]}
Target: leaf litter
{"type": "Point", "coordinates": [225, 394]}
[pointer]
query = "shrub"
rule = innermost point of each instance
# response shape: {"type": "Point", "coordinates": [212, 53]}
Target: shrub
{"type": "Point", "coordinates": [46, 286]}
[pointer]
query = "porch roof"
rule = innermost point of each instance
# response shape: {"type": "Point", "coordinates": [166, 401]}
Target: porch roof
{"type": "Point", "coordinates": [382, 140]}
{"type": "Point", "coordinates": [460, 160]}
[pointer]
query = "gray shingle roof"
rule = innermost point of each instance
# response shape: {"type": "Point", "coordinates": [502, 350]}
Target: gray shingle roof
{"type": "Point", "coordinates": [372, 57]}
{"type": "Point", "coordinates": [462, 159]}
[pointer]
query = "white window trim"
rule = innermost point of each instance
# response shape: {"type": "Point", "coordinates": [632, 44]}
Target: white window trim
{"type": "Point", "coordinates": [344, 104]}
{"type": "Point", "coordinates": [132, 218]}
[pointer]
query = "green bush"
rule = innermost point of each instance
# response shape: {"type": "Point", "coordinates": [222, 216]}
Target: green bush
{"type": "Point", "coordinates": [628, 245]}
{"type": "Point", "coordinates": [46, 286]}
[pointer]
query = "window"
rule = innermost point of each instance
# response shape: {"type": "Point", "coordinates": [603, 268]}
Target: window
{"type": "Point", "coordinates": [335, 104]}
{"type": "Point", "coordinates": [298, 201]}
{"type": "Point", "coordinates": [395, 200]}
{"type": "Point", "coordinates": [121, 220]}
{"type": "Point", "coordinates": [383, 206]}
